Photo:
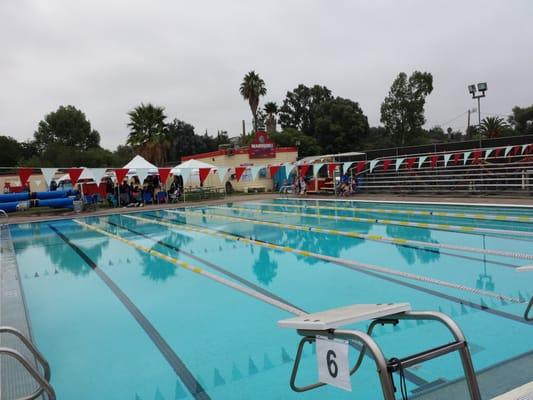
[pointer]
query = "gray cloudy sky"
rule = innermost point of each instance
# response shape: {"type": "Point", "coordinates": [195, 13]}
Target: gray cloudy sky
{"type": "Point", "coordinates": [107, 56]}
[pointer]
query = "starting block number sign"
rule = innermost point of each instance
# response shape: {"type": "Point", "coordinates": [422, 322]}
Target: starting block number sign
{"type": "Point", "coordinates": [332, 360]}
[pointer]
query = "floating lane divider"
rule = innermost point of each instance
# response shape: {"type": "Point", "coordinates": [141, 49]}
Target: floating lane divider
{"type": "Point", "coordinates": [376, 238]}
{"type": "Point", "coordinates": [327, 258]}
{"type": "Point", "coordinates": [485, 217]}
{"type": "Point", "coordinates": [198, 270]}
{"type": "Point", "coordinates": [442, 227]}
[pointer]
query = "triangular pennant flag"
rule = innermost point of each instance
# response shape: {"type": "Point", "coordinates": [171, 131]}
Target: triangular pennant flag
{"type": "Point", "coordinates": [255, 171]}
{"type": "Point", "coordinates": [360, 166]}
{"type": "Point", "coordinates": [48, 175]}
{"type": "Point", "coordinates": [446, 159]}
{"type": "Point", "coordinates": [386, 164]}
{"type": "Point", "coordinates": [238, 172]}
{"type": "Point", "coordinates": [24, 175]}
{"type": "Point", "coordinates": [203, 172]}
{"type": "Point", "coordinates": [399, 162]}
{"type": "Point", "coordinates": [515, 151]}
{"type": "Point", "coordinates": [346, 166]}
{"type": "Point", "coordinates": [273, 170]}
{"type": "Point", "coordinates": [185, 174]}
{"type": "Point", "coordinates": [373, 164]}
{"type": "Point", "coordinates": [331, 168]}
{"type": "Point", "coordinates": [456, 158]}
{"type": "Point", "coordinates": [466, 154]}
{"type": "Point", "coordinates": [98, 174]}
{"type": "Point", "coordinates": [497, 152]}
{"type": "Point", "coordinates": [524, 148]}
{"type": "Point", "coordinates": [411, 162]}
{"type": "Point", "coordinates": [142, 173]}
{"type": "Point", "coordinates": [121, 173]}
{"type": "Point", "coordinates": [421, 160]}
{"type": "Point", "coordinates": [316, 168]}
{"type": "Point", "coordinates": [477, 155]}
{"type": "Point", "coordinates": [434, 160]}
{"type": "Point", "coordinates": [74, 174]}
{"type": "Point", "coordinates": [303, 169]}
{"type": "Point", "coordinates": [164, 173]}
{"type": "Point", "coordinates": [507, 150]}
{"type": "Point", "coordinates": [487, 153]}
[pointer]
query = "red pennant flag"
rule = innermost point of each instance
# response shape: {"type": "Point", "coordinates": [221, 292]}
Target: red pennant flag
{"type": "Point", "coordinates": [456, 158]}
{"type": "Point", "coordinates": [164, 173]}
{"type": "Point", "coordinates": [303, 169]}
{"type": "Point", "coordinates": [527, 149]}
{"type": "Point", "coordinates": [238, 172]}
{"type": "Point", "coordinates": [386, 164]}
{"type": "Point", "coordinates": [360, 166]}
{"type": "Point", "coordinates": [331, 169]}
{"type": "Point", "coordinates": [203, 173]}
{"type": "Point", "coordinates": [410, 162]}
{"type": "Point", "coordinates": [273, 170]}
{"type": "Point", "coordinates": [24, 175]}
{"type": "Point", "coordinates": [476, 155]}
{"type": "Point", "coordinates": [74, 174]}
{"type": "Point", "coordinates": [515, 150]}
{"type": "Point", "coordinates": [434, 160]}
{"type": "Point", "coordinates": [497, 152]}
{"type": "Point", "coordinates": [121, 174]}
{"type": "Point", "coordinates": [102, 189]}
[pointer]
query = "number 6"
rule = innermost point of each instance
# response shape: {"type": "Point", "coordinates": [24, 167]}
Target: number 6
{"type": "Point", "coordinates": [332, 365]}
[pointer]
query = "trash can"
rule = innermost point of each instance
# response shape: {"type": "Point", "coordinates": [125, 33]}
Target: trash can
{"type": "Point", "coordinates": [78, 206]}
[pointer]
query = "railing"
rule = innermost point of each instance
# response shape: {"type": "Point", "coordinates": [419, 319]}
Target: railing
{"type": "Point", "coordinates": [43, 381]}
{"type": "Point", "coordinates": [4, 214]}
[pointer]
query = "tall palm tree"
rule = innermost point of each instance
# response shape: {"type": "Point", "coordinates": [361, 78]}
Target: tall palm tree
{"type": "Point", "coordinates": [271, 110]}
{"type": "Point", "coordinates": [492, 127]}
{"type": "Point", "coordinates": [148, 132]}
{"type": "Point", "coordinates": [252, 87]}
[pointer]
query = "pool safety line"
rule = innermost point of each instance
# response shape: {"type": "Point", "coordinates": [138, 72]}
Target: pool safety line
{"type": "Point", "coordinates": [343, 263]}
{"type": "Point", "coordinates": [376, 238]}
{"type": "Point", "coordinates": [208, 263]}
{"type": "Point", "coordinates": [485, 217]}
{"type": "Point", "coordinates": [198, 270]}
{"type": "Point", "coordinates": [179, 367]}
{"type": "Point", "coordinates": [442, 227]}
{"type": "Point", "coordinates": [357, 264]}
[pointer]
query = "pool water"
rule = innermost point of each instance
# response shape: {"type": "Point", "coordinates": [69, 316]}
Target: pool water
{"type": "Point", "coordinates": [117, 318]}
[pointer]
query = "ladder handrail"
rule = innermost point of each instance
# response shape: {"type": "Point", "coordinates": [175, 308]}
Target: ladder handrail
{"type": "Point", "coordinates": [4, 214]}
{"type": "Point", "coordinates": [44, 385]}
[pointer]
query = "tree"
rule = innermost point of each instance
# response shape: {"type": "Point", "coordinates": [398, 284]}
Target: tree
{"type": "Point", "coordinates": [271, 109]}
{"type": "Point", "coordinates": [251, 89]}
{"type": "Point", "coordinates": [290, 137]}
{"type": "Point", "coordinates": [67, 126]}
{"type": "Point", "coordinates": [10, 151]}
{"type": "Point", "coordinates": [493, 127]}
{"type": "Point", "coordinates": [522, 120]}
{"type": "Point", "coordinates": [148, 132]}
{"type": "Point", "coordinates": [402, 111]}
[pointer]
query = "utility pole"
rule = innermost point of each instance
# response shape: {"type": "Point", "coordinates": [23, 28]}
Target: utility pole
{"type": "Point", "coordinates": [468, 125]}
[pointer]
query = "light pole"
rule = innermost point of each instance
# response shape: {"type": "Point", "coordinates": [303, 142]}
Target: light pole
{"type": "Point", "coordinates": [481, 88]}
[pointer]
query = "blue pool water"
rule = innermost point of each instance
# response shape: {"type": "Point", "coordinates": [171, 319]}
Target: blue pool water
{"type": "Point", "coordinates": [117, 322]}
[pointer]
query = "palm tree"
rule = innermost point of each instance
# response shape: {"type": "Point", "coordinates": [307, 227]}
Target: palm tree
{"type": "Point", "coordinates": [271, 110]}
{"type": "Point", "coordinates": [492, 127]}
{"type": "Point", "coordinates": [252, 87]}
{"type": "Point", "coordinates": [148, 132]}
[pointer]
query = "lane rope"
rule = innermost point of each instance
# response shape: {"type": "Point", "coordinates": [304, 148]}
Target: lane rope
{"type": "Point", "coordinates": [327, 258]}
{"type": "Point", "coordinates": [443, 227]}
{"type": "Point", "coordinates": [198, 270]}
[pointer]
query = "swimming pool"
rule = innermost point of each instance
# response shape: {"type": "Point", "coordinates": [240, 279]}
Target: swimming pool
{"type": "Point", "coordinates": [183, 303]}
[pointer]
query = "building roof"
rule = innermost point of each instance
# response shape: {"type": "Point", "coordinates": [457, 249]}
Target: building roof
{"type": "Point", "coordinates": [225, 152]}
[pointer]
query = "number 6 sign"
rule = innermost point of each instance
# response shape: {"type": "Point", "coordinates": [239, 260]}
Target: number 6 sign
{"type": "Point", "coordinates": [332, 360]}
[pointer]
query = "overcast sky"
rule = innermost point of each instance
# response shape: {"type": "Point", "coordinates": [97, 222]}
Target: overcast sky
{"type": "Point", "coordinates": [107, 56]}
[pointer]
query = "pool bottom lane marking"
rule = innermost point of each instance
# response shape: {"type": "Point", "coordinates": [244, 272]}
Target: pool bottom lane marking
{"type": "Point", "coordinates": [208, 263]}
{"type": "Point", "coordinates": [179, 367]}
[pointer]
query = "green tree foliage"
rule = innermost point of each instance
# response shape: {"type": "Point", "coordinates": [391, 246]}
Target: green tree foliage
{"type": "Point", "coordinates": [123, 154]}
{"type": "Point", "coordinates": [67, 126]}
{"type": "Point", "coordinates": [402, 111]}
{"type": "Point", "coordinates": [271, 110]}
{"type": "Point", "coordinates": [251, 89]}
{"type": "Point", "coordinates": [10, 151]}
{"type": "Point", "coordinates": [148, 132]}
{"type": "Point", "coordinates": [493, 127]}
{"type": "Point", "coordinates": [291, 137]}
{"type": "Point", "coordinates": [522, 120]}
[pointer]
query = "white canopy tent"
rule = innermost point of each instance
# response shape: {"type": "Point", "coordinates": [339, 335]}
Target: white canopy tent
{"type": "Point", "coordinates": [190, 172]}
{"type": "Point", "coordinates": [140, 167]}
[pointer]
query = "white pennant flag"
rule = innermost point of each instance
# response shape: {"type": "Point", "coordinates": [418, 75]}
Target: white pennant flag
{"type": "Point", "coordinates": [316, 168]}
{"type": "Point", "coordinates": [524, 147]}
{"type": "Point", "coordinates": [98, 174]}
{"type": "Point", "coordinates": [48, 174]}
{"type": "Point", "coordinates": [142, 173]}
{"type": "Point", "coordinates": [255, 171]}
{"type": "Point", "coordinates": [185, 174]}
{"type": "Point", "coordinates": [466, 155]}
{"type": "Point", "coordinates": [507, 150]}
{"type": "Point", "coordinates": [348, 164]}
{"type": "Point", "coordinates": [421, 160]}
{"type": "Point", "coordinates": [447, 159]}
{"type": "Point", "coordinates": [373, 164]}
{"type": "Point", "coordinates": [487, 153]}
{"type": "Point", "coordinates": [399, 162]}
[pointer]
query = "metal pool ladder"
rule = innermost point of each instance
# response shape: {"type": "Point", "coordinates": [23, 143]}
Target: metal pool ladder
{"type": "Point", "coordinates": [42, 380]}
{"type": "Point", "coordinates": [4, 215]}
{"type": "Point", "coordinates": [325, 324]}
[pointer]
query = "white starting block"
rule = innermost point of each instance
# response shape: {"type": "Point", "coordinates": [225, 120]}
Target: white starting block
{"type": "Point", "coordinates": [332, 345]}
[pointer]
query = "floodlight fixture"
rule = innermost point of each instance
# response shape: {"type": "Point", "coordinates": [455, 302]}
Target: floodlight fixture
{"type": "Point", "coordinates": [482, 87]}
{"type": "Point", "coordinates": [472, 89]}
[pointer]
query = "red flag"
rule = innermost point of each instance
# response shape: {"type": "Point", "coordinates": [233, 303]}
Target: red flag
{"type": "Point", "coordinates": [410, 162]}
{"type": "Point", "coordinates": [456, 158]}
{"type": "Point", "coordinates": [24, 175]}
{"type": "Point", "coordinates": [303, 169]}
{"type": "Point", "coordinates": [434, 160]}
{"type": "Point", "coordinates": [386, 164]}
{"type": "Point", "coordinates": [203, 172]}
{"type": "Point", "coordinates": [331, 168]}
{"type": "Point", "coordinates": [497, 151]}
{"type": "Point", "coordinates": [164, 173]}
{"type": "Point", "coordinates": [527, 149]}
{"type": "Point", "coordinates": [273, 170]}
{"type": "Point", "coordinates": [476, 155]}
{"type": "Point", "coordinates": [515, 150]}
{"type": "Point", "coordinates": [238, 172]}
{"type": "Point", "coordinates": [102, 189]}
{"type": "Point", "coordinates": [74, 174]}
{"type": "Point", "coordinates": [360, 166]}
{"type": "Point", "coordinates": [121, 174]}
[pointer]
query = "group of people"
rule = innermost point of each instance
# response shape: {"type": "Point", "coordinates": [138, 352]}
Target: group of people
{"type": "Point", "coordinates": [347, 185]}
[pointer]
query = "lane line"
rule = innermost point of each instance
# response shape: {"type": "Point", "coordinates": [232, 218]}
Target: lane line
{"type": "Point", "coordinates": [442, 227]}
{"type": "Point", "coordinates": [179, 367]}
